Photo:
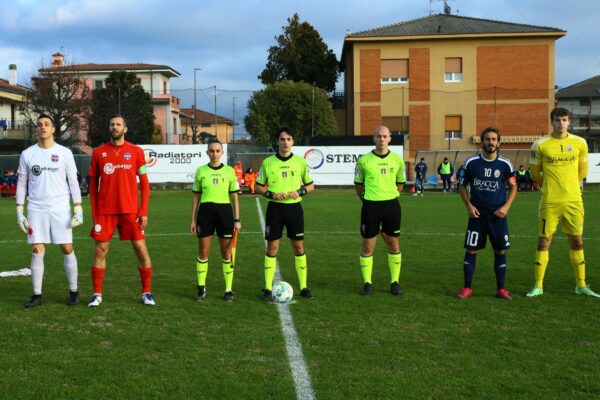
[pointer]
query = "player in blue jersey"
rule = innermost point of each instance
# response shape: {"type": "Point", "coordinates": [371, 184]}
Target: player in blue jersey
{"type": "Point", "coordinates": [487, 175]}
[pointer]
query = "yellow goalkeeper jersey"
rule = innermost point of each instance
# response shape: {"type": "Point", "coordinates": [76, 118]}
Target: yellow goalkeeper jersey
{"type": "Point", "coordinates": [562, 163]}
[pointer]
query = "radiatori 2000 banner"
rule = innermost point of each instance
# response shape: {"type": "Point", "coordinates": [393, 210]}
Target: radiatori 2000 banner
{"type": "Point", "coordinates": [594, 168]}
{"type": "Point", "coordinates": [175, 163]}
{"type": "Point", "coordinates": [334, 165]}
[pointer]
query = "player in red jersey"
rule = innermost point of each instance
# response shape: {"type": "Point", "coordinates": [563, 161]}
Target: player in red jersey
{"type": "Point", "coordinates": [114, 172]}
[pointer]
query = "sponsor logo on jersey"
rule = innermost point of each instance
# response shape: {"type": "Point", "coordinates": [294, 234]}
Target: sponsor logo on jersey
{"type": "Point", "coordinates": [127, 156]}
{"type": "Point", "coordinates": [104, 154]}
{"type": "Point", "coordinates": [110, 168]}
{"type": "Point", "coordinates": [54, 157]}
{"type": "Point", "coordinates": [314, 158]}
{"type": "Point", "coordinates": [561, 159]}
{"type": "Point", "coordinates": [485, 185]}
{"type": "Point", "coordinates": [37, 170]}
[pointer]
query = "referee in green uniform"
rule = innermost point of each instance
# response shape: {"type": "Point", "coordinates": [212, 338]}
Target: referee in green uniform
{"type": "Point", "coordinates": [215, 191]}
{"type": "Point", "coordinates": [378, 181]}
{"type": "Point", "coordinates": [283, 178]}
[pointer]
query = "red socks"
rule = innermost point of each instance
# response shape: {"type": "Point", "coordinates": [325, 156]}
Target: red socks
{"type": "Point", "coordinates": [146, 278]}
{"type": "Point", "coordinates": [97, 279]}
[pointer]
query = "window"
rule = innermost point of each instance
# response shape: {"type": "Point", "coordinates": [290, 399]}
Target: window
{"type": "Point", "coordinates": [98, 84]}
{"type": "Point", "coordinates": [584, 101]}
{"type": "Point", "coordinates": [174, 126]}
{"type": "Point", "coordinates": [205, 124]}
{"type": "Point", "coordinates": [453, 70]}
{"type": "Point", "coordinates": [396, 125]}
{"type": "Point", "coordinates": [394, 71]}
{"type": "Point", "coordinates": [453, 127]}
{"type": "Point", "coordinates": [165, 87]}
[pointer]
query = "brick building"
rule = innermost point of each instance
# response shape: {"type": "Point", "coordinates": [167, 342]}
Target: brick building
{"type": "Point", "coordinates": [441, 79]}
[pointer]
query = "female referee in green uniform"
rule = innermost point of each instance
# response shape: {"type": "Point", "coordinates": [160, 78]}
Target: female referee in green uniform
{"type": "Point", "coordinates": [215, 191]}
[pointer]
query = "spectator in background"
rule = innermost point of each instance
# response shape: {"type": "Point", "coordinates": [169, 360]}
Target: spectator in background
{"type": "Point", "coordinates": [239, 174]}
{"type": "Point", "coordinates": [445, 170]}
{"type": "Point", "coordinates": [250, 179]}
{"type": "Point", "coordinates": [420, 177]}
{"type": "Point", "coordinates": [523, 181]}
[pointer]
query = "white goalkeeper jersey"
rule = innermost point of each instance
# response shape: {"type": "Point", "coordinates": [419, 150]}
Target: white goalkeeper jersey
{"type": "Point", "coordinates": [51, 175]}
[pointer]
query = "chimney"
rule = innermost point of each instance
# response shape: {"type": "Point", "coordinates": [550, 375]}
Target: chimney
{"type": "Point", "coordinates": [12, 74]}
{"type": "Point", "coordinates": [58, 60]}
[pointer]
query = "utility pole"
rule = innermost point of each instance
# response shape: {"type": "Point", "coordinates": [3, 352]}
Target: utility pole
{"type": "Point", "coordinates": [216, 136]}
{"type": "Point", "coordinates": [233, 129]}
{"type": "Point", "coordinates": [194, 136]}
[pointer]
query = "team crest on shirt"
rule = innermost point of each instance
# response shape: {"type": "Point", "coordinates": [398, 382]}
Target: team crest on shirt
{"type": "Point", "coordinates": [54, 157]}
{"type": "Point", "coordinates": [532, 153]}
{"type": "Point", "coordinates": [497, 173]}
{"type": "Point", "coordinates": [569, 148]}
{"type": "Point", "coordinates": [127, 156]}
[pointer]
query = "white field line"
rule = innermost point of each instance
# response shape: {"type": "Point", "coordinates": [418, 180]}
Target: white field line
{"type": "Point", "coordinates": [356, 232]}
{"type": "Point", "coordinates": [298, 366]}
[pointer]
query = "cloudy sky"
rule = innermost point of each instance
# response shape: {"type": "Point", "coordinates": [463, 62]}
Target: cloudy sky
{"type": "Point", "coordinates": [229, 39]}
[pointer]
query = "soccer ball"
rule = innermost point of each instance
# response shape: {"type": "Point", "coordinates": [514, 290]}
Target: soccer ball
{"type": "Point", "coordinates": [282, 292]}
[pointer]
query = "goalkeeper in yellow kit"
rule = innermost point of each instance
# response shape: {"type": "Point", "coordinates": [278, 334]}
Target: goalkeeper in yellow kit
{"type": "Point", "coordinates": [559, 162]}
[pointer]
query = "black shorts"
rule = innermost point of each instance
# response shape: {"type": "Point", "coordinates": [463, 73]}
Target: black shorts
{"type": "Point", "coordinates": [478, 229]}
{"type": "Point", "coordinates": [376, 216]}
{"type": "Point", "coordinates": [289, 215]}
{"type": "Point", "coordinates": [213, 216]}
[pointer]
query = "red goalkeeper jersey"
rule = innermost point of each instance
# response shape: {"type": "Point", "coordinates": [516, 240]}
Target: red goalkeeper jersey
{"type": "Point", "coordinates": [117, 167]}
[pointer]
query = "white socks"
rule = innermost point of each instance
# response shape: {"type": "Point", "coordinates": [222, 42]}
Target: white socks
{"type": "Point", "coordinates": [71, 270]}
{"type": "Point", "coordinates": [37, 272]}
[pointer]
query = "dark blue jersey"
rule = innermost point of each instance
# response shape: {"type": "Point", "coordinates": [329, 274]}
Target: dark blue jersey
{"type": "Point", "coordinates": [487, 180]}
{"type": "Point", "coordinates": [421, 170]}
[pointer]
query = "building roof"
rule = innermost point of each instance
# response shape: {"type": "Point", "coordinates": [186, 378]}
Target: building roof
{"type": "Point", "coordinates": [16, 89]}
{"type": "Point", "coordinates": [91, 67]}
{"type": "Point", "coordinates": [202, 117]}
{"type": "Point", "coordinates": [446, 24]}
{"type": "Point", "coordinates": [587, 88]}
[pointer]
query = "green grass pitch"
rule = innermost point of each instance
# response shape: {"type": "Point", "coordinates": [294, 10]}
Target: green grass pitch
{"type": "Point", "coordinates": [424, 344]}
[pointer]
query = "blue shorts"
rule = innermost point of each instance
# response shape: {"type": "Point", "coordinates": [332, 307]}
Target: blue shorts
{"type": "Point", "coordinates": [478, 229]}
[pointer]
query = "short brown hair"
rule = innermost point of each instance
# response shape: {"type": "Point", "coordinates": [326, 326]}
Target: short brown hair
{"type": "Point", "coordinates": [559, 112]}
{"type": "Point", "coordinates": [119, 116]}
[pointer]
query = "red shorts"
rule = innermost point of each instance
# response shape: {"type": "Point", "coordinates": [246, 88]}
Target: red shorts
{"type": "Point", "coordinates": [105, 225]}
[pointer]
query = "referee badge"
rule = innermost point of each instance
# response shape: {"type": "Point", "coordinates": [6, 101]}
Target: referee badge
{"type": "Point", "coordinates": [215, 181]}
{"type": "Point", "coordinates": [382, 171]}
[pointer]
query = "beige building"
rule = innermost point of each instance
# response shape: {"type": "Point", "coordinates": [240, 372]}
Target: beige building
{"type": "Point", "coordinates": [13, 124]}
{"type": "Point", "coordinates": [441, 79]}
{"type": "Point", "coordinates": [155, 79]}
{"type": "Point", "coordinates": [207, 126]}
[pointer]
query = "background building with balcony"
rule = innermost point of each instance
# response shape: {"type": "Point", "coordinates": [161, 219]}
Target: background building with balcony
{"type": "Point", "coordinates": [14, 128]}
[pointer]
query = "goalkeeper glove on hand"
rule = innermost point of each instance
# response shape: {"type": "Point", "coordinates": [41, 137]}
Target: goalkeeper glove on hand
{"type": "Point", "coordinates": [77, 216]}
{"type": "Point", "coordinates": [22, 220]}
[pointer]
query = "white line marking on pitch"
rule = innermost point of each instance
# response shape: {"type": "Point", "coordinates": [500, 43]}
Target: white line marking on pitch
{"type": "Point", "coordinates": [298, 366]}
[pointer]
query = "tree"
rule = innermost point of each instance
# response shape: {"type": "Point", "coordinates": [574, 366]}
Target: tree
{"type": "Point", "coordinates": [65, 98]}
{"type": "Point", "coordinates": [123, 95]}
{"type": "Point", "coordinates": [289, 104]}
{"type": "Point", "coordinates": [301, 55]}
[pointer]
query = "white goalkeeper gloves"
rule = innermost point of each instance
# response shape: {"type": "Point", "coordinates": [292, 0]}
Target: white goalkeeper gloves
{"type": "Point", "coordinates": [22, 220]}
{"type": "Point", "coordinates": [77, 216]}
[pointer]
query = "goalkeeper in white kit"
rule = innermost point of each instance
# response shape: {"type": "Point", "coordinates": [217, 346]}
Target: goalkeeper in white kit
{"type": "Point", "coordinates": [48, 177]}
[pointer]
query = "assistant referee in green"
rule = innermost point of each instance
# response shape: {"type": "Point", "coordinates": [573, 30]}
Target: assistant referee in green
{"type": "Point", "coordinates": [283, 178]}
{"type": "Point", "coordinates": [379, 178]}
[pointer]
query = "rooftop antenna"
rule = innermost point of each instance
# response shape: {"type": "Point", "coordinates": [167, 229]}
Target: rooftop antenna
{"type": "Point", "coordinates": [447, 8]}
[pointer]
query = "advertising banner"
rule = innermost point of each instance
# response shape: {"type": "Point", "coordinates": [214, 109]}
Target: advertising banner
{"type": "Point", "coordinates": [175, 163]}
{"type": "Point", "coordinates": [594, 168]}
{"type": "Point", "coordinates": [334, 165]}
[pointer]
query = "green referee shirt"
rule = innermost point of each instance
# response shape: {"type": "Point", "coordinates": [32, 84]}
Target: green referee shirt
{"type": "Point", "coordinates": [215, 183]}
{"type": "Point", "coordinates": [380, 175]}
{"type": "Point", "coordinates": [284, 175]}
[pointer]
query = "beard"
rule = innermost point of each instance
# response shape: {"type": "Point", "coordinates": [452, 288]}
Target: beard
{"type": "Point", "coordinates": [117, 135]}
{"type": "Point", "coordinates": [490, 149]}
